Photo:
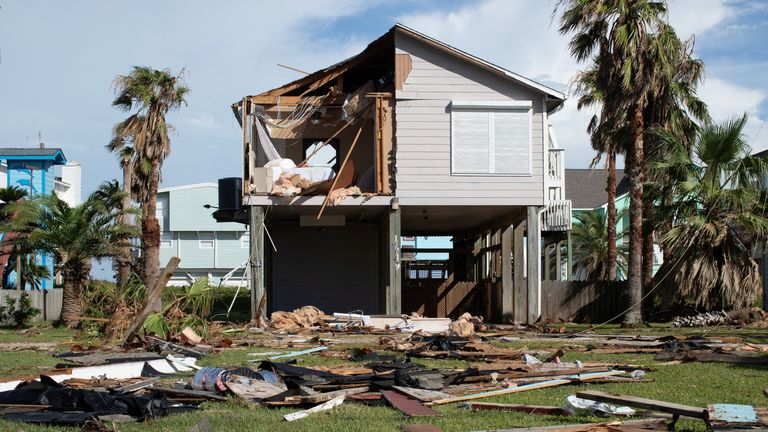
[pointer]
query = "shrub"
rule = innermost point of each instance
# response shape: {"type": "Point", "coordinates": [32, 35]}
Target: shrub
{"type": "Point", "coordinates": [18, 312]}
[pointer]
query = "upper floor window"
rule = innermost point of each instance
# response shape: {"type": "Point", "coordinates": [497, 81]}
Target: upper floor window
{"type": "Point", "coordinates": [205, 240]}
{"type": "Point", "coordinates": [493, 137]}
{"type": "Point", "coordinates": [166, 239]}
{"type": "Point", "coordinates": [245, 240]}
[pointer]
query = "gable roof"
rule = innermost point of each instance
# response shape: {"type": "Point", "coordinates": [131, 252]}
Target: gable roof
{"type": "Point", "coordinates": [557, 97]}
{"type": "Point", "coordinates": [462, 55]}
{"type": "Point", "coordinates": [33, 153]}
{"type": "Point", "coordinates": [586, 187]}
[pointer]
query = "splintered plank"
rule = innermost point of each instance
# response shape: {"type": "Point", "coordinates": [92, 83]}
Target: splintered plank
{"type": "Point", "coordinates": [411, 407]}
{"type": "Point", "coordinates": [530, 409]}
{"type": "Point", "coordinates": [255, 391]}
{"type": "Point", "coordinates": [324, 397]}
{"type": "Point", "coordinates": [643, 403]}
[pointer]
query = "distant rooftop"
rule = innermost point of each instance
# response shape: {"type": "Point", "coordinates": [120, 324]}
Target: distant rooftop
{"type": "Point", "coordinates": [586, 187]}
{"type": "Point", "coordinates": [33, 153]}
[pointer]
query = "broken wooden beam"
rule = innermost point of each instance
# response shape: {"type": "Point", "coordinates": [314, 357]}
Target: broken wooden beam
{"type": "Point", "coordinates": [643, 403]}
{"type": "Point", "coordinates": [408, 406]}
{"type": "Point", "coordinates": [534, 386]}
{"type": "Point", "coordinates": [530, 409]}
{"type": "Point", "coordinates": [152, 298]}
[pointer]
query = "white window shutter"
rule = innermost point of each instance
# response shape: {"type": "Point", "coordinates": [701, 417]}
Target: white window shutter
{"type": "Point", "coordinates": [511, 141]}
{"type": "Point", "coordinates": [471, 140]}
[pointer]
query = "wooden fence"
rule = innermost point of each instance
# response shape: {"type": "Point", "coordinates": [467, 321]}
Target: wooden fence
{"type": "Point", "coordinates": [48, 301]}
{"type": "Point", "coordinates": [581, 301]}
{"type": "Point", "coordinates": [448, 298]}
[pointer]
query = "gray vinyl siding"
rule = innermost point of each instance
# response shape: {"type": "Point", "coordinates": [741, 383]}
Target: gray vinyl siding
{"type": "Point", "coordinates": [423, 132]}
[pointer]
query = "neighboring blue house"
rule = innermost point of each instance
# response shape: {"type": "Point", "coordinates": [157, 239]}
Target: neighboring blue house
{"type": "Point", "coordinates": [206, 248]}
{"type": "Point", "coordinates": [32, 169]}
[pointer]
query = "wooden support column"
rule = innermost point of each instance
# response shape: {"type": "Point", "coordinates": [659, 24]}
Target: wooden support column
{"type": "Point", "coordinates": [547, 270]}
{"type": "Point", "coordinates": [521, 290]}
{"type": "Point", "coordinates": [507, 284]}
{"type": "Point", "coordinates": [392, 270]}
{"type": "Point", "coordinates": [569, 251]}
{"type": "Point", "coordinates": [256, 232]}
{"type": "Point", "coordinates": [558, 260]}
{"type": "Point", "coordinates": [534, 263]}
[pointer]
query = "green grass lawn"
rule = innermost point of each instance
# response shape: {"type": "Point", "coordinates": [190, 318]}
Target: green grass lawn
{"type": "Point", "coordinates": [696, 384]}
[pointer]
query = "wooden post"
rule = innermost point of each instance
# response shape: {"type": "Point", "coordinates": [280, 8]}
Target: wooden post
{"type": "Point", "coordinates": [547, 269]}
{"type": "Point", "coordinates": [256, 231]}
{"type": "Point", "coordinates": [507, 285]}
{"type": "Point", "coordinates": [569, 267]}
{"type": "Point", "coordinates": [520, 289]}
{"type": "Point", "coordinates": [534, 263]}
{"type": "Point", "coordinates": [392, 288]}
{"type": "Point", "coordinates": [153, 297]}
{"type": "Point", "coordinates": [558, 260]}
{"type": "Point", "coordinates": [341, 169]}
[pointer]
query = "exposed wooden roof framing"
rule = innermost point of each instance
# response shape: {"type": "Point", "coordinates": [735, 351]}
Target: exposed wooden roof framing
{"type": "Point", "coordinates": [292, 92]}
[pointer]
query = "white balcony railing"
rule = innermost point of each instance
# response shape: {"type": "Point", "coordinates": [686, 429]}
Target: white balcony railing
{"type": "Point", "coordinates": [556, 171]}
{"type": "Point", "coordinates": [556, 216]}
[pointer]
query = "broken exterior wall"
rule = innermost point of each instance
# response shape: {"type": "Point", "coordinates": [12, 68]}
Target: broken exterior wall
{"type": "Point", "coordinates": [423, 132]}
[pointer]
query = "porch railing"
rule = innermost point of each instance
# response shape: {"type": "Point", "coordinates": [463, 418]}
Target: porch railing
{"type": "Point", "coordinates": [557, 216]}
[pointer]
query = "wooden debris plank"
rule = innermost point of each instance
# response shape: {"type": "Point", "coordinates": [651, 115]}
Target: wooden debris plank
{"type": "Point", "coordinates": [366, 396]}
{"type": "Point", "coordinates": [421, 394]}
{"type": "Point", "coordinates": [643, 403]}
{"type": "Point", "coordinates": [625, 426]}
{"type": "Point", "coordinates": [324, 397]}
{"type": "Point", "coordinates": [421, 427]}
{"type": "Point", "coordinates": [299, 353]}
{"type": "Point", "coordinates": [322, 407]}
{"type": "Point", "coordinates": [130, 388]}
{"type": "Point", "coordinates": [530, 409]}
{"type": "Point", "coordinates": [255, 391]}
{"type": "Point", "coordinates": [713, 357]}
{"type": "Point", "coordinates": [152, 298]}
{"type": "Point", "coordinates": [411, 407]}
{"type": "Point", "coordinates": [533, 386]}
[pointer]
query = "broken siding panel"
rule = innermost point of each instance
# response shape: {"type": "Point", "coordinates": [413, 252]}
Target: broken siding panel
{"type": "Point", "coordinates": [423, 119]}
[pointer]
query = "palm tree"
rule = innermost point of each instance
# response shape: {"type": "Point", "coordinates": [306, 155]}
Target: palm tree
{"type": "Point", "coordinates": [122, 146]}
{"type": "Point", "coordinates": [31, 274]}
{"type": "Point", "coordinates": [73, 235]}
{"type": "Point", "coordinates": [11, 194]}
{"type": "Point", "coordinates": [152, 94]}
{"type": "Point", "coordinates": [619, 34]}
{"type": "Point", "coordinates": [590, 248]}
{"type": "Point", "coordinates": [718, 215]}
{"type": "Point", "coordinates": [673, 106]}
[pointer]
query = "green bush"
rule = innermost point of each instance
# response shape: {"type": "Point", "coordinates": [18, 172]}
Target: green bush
{"type": "Point", "coordinates": [18, 313]}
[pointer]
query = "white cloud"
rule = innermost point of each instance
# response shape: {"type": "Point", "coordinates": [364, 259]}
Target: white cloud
{"type": "Point", "coordinates": [204, 120]}
{"type": "Point", "coordinates": [726, 100]}
{"type": "Point", "coordinates": [694, 17]}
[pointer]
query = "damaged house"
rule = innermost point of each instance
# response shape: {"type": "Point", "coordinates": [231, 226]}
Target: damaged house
{"type": "Point", "coordinates": [411, 137]}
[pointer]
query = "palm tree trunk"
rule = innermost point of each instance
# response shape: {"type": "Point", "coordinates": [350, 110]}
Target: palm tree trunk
{"type": "Point", "coordinates": [72, 306]}
{"type": "Point", "coordinates": [647, 246]}
{"type": "Point", "coordinates": [124, 258]}
{"type": "Point", "coordinates": [150, 231]}
{"type": "Point", "coordinates": [611, 215]}
{"type": "Point", "coordinates": [634, 315]}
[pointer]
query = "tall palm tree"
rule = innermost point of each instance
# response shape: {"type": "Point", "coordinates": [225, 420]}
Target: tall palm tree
{"type": "Point", "coordinates": [30, 273]}
{"type": "Point", "coordinates": [151, 94]}
{"type": "Point", "coordinates": [590, 248]}
{"type": "Point", "coordinates": [619, 34]}
{"type": "Point", "coordinates": [673, 106]}
{"type": "Point", "coordinates": [718, 216]}
{"type": "Point", "coordinates": [73, 235]}
{"type": "Point", "coordinates": [122, 146]}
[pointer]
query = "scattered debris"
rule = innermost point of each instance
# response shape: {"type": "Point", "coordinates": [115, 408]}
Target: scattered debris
{"type": "Point", "coordinates": [302, 318]}
{"type": "Point", "coordinates": [322, 407]}
{"type": "Point", "coordinates": [577, 406]}
{"type": "Point", "coordinates": [411, 407]}
{"type": "Point", "coordinates": [530, 409]}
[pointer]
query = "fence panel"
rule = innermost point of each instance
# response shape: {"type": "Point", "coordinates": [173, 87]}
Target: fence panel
{"type": "Point", "coordinates": [582, 301]}
{"type": "Point", "coordinates": [48, 301]}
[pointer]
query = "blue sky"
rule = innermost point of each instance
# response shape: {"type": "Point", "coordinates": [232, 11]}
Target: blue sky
{"type": "Point", "coordinates": [58, 61]}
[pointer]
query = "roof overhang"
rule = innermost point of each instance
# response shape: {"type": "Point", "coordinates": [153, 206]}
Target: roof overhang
{"type": "Point", "coordinates": [57, 156]}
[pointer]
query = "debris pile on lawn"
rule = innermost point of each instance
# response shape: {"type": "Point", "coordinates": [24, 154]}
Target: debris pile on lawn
{"type": "Point", "coordinates": [739, 317]}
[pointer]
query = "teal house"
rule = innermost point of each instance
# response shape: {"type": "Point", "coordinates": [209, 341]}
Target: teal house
{"type": "Point", "coordinates": [207, 248]}
{"type": "Point", "coordinates": [32, 169]}
{"type": "Point", "coordinates": [586, 190]}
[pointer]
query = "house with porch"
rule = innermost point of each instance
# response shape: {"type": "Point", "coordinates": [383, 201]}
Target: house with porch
{"type": "Point", "coordinates": [411, 137]}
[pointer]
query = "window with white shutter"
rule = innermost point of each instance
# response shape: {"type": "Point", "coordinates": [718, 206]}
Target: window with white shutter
{"type": "Point", "coordinates": [491, 137]}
